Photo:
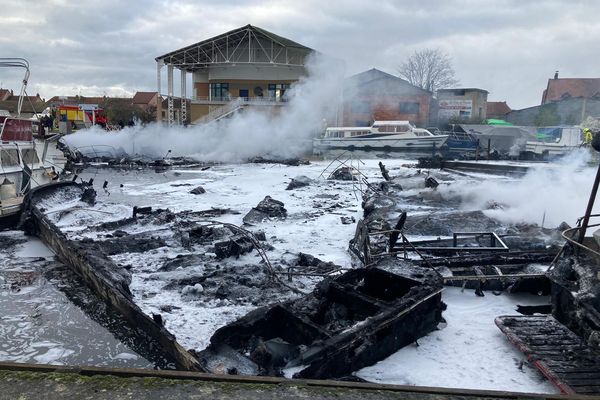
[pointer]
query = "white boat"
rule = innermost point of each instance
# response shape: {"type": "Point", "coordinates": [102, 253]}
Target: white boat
{"type": "Point", "coordinates": [382, 135]}
{"type": "Point", "coordinates": [555, 141]}
{"type": "Point", "coordinates": [23, 161]}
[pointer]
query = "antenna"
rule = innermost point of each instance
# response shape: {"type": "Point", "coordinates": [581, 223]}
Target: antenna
{"type": "Point", "coordinates": [18, 63]}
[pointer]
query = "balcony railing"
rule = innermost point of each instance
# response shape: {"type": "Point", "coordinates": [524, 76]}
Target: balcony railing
{"type": "Point", "coordinates": [250, 100]}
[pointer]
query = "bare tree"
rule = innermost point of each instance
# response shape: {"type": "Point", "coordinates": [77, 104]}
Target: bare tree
{"type": "Point", "coordinates": [429, 69]}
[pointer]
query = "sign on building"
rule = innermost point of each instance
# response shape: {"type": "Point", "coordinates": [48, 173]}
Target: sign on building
{"type": "Point", "coordinates": [455, 108]}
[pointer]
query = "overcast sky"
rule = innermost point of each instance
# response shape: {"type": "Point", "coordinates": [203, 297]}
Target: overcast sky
{"type": "Point", "coordinates": [508, 47]}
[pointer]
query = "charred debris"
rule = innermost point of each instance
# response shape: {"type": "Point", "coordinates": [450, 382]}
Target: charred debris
{"type": "Point", "coordinates": [351, 318]}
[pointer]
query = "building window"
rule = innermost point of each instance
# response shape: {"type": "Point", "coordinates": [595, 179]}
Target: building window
{"type": "Point", "coordinates": [361, 107]}
{"type": "Point", "coordinates": [219, 91]}
{"type": "Point", "coordinates": [409, 108]}
{"type": "Point", "coordinates": [277, 91]}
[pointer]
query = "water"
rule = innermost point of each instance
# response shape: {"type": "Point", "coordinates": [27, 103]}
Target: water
{"type": "Point", "coordinates": [49, 316]}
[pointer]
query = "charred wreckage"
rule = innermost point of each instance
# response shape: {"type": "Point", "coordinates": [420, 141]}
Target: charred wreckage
{"type": "Point", "coordinates": [352, 318]}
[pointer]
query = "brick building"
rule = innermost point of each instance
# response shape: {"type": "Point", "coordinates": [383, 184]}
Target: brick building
{"type": "Point", "coordinates": [376, 95]}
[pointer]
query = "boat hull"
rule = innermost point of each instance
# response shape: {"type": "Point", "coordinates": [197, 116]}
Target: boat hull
{"type": "Point", "coordinates": [380, 144]}
{"type": "Point", "coordinates": [552, 149]}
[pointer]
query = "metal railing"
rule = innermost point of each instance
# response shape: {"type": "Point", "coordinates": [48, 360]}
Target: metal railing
{"type": "Point", "coordinates": [252, 100]}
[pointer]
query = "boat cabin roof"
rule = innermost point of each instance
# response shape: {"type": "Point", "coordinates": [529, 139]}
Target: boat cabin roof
{"type": "Point", "coordinates": [391, 123]}
{"type": "Point", "coordinates": [350, 128]}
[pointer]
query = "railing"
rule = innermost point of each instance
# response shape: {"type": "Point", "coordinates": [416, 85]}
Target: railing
{"type": "Point", "coordinates": [252, 100]}
{"type": "Point", "coordinates": [219, 112]}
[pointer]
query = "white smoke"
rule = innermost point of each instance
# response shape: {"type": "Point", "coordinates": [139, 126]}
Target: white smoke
{"type": "Point", "coordinates": [275, 132]}
{"type": "Point", "coordinates": [552, 193]}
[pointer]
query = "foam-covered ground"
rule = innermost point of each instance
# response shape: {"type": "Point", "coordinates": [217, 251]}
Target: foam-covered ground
{"type": "Point", "coordinates": [469, 352]}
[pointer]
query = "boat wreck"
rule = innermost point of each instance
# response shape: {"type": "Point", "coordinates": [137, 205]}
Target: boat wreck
{"type": "Point", "coordinates": [108, 281]}
{"type": "Point", "coordinates": [347, 323]}
{"type": "Point", "coordinates": [229, 299]}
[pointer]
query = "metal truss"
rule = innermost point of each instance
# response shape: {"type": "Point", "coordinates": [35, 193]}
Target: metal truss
{"type": "Point", "coordinates": [248, 44]}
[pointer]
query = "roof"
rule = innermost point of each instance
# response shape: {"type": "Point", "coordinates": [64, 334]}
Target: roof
{"type": "Point", "coordinates": [27, 107]}
{"type": "Point", "coordinates": [497, 108]}
{"type": "Point", "coordinates": [498, 122]}
{"type": "Point", "coordinates": [465, 89]}
{"type": "Point", "coordinates": [75, 100]}
{"type": "Point", "coordinates": [561, 88]}
{"type": "Point", "coordinates": [143, 97]}
{"type": "Point", "coordinates": [233, 47]}
{"type": "Point", "coordinates": [4, 93]}
{"type": "Point", "coordinates": [374, 74]}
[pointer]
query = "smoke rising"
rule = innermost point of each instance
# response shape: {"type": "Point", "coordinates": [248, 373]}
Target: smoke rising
{"type": "Point", "coordinates": [251, 132]}
{"type": "Point", "coordinates": [551, 192]}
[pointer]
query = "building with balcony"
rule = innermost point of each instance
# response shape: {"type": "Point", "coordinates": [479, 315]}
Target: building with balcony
{"type": "Point", "coordinates": [245, 67]}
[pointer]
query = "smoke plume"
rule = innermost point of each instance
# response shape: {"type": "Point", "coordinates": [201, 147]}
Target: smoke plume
{"type": "Point", "coordinates": [250, 133]}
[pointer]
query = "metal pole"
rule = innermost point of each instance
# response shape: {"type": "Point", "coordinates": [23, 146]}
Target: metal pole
{"type": "Point", "coordinates": [588, 211]}
{"type": "Point", "coordinates": [170, 109]}
{"type": "Point", "coordinates": [159, 100]}
{"type": "Point", "coordinates": [183, 97]}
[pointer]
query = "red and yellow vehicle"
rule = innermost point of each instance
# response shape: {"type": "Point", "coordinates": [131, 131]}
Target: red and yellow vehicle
{"type": "Point", "coordinates": [81, 116]}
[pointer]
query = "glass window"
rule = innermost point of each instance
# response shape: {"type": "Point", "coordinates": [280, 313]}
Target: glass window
{"type": "Point", "coordinates": [30, 157]}
{"type": "Point", "coordinates": [219, 91]}
{"type": "Point", "coordinates": [361, 107]}
{"type": "Point", "coordinates": [409, 108]}
{"type": "Point", "coordinates": [277, 90]}
{"type": "Point", "coordinates": [9, 157]}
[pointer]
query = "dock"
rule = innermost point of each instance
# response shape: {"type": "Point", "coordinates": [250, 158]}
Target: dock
{"type": "Point", "coordinates": [28, 381]}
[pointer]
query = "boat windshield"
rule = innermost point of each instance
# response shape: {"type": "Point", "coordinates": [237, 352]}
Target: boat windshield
{"type": "Point", "coordinates": [549, 134]}
{"type": "Point", "coordinates": [392, 128]}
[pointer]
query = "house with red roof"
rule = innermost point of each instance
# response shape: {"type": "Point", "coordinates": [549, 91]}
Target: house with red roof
{"type": "Point", "coordinates": [565, 88]}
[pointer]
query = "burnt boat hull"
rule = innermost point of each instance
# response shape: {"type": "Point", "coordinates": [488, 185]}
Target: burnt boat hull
{"type": "Point", "coordinates": [346, 324]}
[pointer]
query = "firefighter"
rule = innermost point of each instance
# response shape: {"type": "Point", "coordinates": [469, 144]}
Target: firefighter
{"type": "Point", "coordinates": [587, 136]}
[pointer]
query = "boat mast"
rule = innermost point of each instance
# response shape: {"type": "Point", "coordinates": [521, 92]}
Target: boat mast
{"type": "Point", "coordinates": [18, 63]}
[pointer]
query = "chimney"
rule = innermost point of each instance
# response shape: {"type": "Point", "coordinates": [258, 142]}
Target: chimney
{"type": "Point", "coordinates": [556, 75]}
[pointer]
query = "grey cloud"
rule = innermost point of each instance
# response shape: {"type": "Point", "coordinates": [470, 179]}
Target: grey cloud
{"type": "Point", "coordinates": [509, 47]}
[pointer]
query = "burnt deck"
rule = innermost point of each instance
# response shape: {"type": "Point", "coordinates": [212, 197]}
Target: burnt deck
{"type": "Point", "coordinates": [345, 324]}
{"type": "Point", "coordinates": [557, 352]}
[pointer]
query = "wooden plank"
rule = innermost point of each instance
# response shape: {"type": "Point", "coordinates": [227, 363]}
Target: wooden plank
{"type": "Point", "coordinates": [556, 351]}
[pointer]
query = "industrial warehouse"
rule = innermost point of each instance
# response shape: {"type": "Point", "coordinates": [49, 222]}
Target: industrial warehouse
{"type": "Point", "coordinates": [271, 222]}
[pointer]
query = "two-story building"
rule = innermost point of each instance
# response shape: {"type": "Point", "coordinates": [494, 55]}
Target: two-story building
{"type": "Point", "coordinates": [245, 67]}
{"type": "Point", "coordinates": [462, 104]}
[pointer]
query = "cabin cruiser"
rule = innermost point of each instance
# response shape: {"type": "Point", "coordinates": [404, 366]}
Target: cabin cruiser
{"type": "Point", "coordinates": [555, 141]}
{"type": "Point", "coordinates": [23, 160]}
{"type": "Point", "coordinates": [382, 135]}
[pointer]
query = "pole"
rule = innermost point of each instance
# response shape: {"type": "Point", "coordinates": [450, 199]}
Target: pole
{"type": "Point", "coordinates": [489, 148]}
{"type": "Point", "coordinates": [158, 88]}
{"type": "Point", "coordinates": [588, 211]}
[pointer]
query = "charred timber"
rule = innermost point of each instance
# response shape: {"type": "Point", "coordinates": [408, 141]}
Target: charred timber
{"type": "Point", "coordinates": [345, 324]}
{"type": "Point", "coordinates": [109, 281]}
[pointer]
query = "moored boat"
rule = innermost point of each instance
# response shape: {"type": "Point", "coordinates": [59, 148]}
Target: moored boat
{"type": "Point", "coordinates": [23, 164]}
{"type": "Point", "coordinates": [382, 135]}
{"type": "Point", "coordinates": [555, 141]}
